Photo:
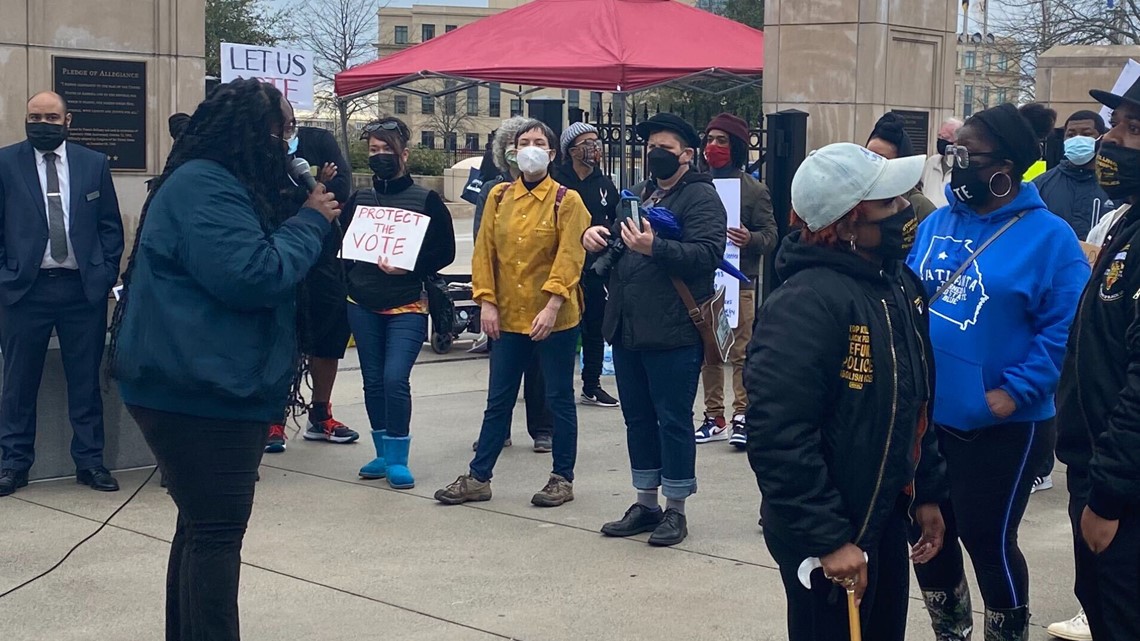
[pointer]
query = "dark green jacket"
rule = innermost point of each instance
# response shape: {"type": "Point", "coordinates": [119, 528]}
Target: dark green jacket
{"type": "Point", "coordinates": [210, 324]}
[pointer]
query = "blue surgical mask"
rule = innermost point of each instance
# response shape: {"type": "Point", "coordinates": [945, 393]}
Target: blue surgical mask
{"type": "Point", "coordinates": [1080, 150]}
{"type": "Point", "coordinates": [293, 142]}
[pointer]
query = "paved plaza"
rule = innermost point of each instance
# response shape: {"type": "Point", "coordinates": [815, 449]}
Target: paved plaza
{"type": "Point", "coordinates": [329, 557]}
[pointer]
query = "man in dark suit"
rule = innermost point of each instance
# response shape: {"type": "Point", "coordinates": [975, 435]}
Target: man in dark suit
{"type": "Point", "coordinates": [61, 238]}
{"type": "Point", "coordinates": [325, 308]}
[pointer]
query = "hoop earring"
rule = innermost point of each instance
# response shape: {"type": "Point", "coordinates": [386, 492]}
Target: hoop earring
{"type": "Point", "coordinates": [1009, 186]}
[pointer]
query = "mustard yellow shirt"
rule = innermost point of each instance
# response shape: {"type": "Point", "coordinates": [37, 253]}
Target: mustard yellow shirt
{"type": "Point", "coordinates": [523, 255]}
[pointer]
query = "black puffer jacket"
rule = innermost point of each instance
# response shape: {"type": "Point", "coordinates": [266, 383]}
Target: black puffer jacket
{"type": "Point", "coordinates": [839, 377]}
{"type": "Point", "coordinates": [644, 310]}
{"type": "Point", "coordinates": [1098, 400]}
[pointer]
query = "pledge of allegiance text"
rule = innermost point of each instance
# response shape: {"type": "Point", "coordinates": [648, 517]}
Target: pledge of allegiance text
{"type": "Point", "coordinates": [376, 232]}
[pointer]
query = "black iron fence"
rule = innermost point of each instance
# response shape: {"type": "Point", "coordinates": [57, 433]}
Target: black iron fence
{"type": "Point", "coordinates": [610, 133]}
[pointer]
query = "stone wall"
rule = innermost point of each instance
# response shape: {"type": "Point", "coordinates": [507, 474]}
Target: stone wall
{"type": "Point", "coordinates": [1066, 74]}
{"type": "Point", "coordinates": [846, 62]}
{"type": "Point", "coordinates": [169, 35]}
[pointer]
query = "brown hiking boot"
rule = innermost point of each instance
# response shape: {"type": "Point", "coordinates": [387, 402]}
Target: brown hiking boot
{"type": "Point", "coordinates": [465, 488]}
{"type": "Point", "coordinates": [557, 491]}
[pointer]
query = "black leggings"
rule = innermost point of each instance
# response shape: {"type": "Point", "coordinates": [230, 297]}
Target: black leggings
{"type": "Point", "coordinates": [991, 473]}
{"type": "Point", "coordinates": [210, 467]}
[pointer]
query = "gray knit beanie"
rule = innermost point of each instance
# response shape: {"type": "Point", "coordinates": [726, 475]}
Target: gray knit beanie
{"type": "Point", "coordinates": [572, 132]}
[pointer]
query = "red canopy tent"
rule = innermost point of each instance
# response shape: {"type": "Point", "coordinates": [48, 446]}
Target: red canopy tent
{"type": "Point", "coordinates": [618, 46]}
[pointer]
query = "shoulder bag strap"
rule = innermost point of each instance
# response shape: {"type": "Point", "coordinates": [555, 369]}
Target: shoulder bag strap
{"type": "Point", "coordinates": [687, 298]}
{"type": "Point", "coordinates": [558, 196]}
{"type": "Point", "coordinates": [974, 256]}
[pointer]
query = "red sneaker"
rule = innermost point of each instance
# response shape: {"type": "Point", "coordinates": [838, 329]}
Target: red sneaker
{"type": "Point", "coordinates": [330, 430]}
{"type": "Point", "coordinates": [275, 444]}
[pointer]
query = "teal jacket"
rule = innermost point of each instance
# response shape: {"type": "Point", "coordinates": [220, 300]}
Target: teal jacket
{"type": "Point", "coordinates": [210, 328]}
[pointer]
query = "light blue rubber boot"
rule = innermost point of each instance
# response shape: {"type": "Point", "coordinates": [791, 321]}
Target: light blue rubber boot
{"type": "Point", "coordinates": [396, 454]}
{"type": "Point", "coordinates": [377, 468]}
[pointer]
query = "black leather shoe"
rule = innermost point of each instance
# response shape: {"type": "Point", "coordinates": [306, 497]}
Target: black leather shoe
{"type": "Point", "coordinates": [637, 519]}
{"type": "Point", "coordinates": [12, 480]}
{"type": "Point", "coordinates": [673, 530]}
{"type": "Point", "coordinates": [98, 478]}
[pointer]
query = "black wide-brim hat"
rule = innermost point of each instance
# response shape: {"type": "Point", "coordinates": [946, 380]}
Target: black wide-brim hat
{"type": "Point", "coordinates": [669, 122]}
{"type": "Point", "coordinates": [1112, 101]}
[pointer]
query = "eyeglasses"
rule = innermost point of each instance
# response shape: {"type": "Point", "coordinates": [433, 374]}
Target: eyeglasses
{"type": "Point", "coordinates": [290, 130]}
{"type": "Point", "coordinates": [383, 125]}
{"type": "Point", "coordinates": [960, 156]}
{"type": "Point", "coordinates": [587, 145]}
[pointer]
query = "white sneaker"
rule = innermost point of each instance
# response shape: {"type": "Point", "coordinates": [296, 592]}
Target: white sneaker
{"type": "Point", "coordinates": [1042, 483]}
{"type": "Point", "coordinates": [1075, 629]}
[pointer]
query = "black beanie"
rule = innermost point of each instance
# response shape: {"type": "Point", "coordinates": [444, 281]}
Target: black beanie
{"type": "Point", "coordinates": [890, 129]}
{"type": "Point", "coordinates": [1012, 134]}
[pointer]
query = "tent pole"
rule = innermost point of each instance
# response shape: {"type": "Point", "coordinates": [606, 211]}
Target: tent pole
{"type": "Point", "coordinates": [623, 180]}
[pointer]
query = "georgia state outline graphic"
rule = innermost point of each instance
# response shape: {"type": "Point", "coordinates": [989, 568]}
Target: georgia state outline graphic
{"type": "Point", "coordinates": [962, 302]}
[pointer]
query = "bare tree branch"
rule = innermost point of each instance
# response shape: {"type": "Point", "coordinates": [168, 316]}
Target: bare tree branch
{"type": "Point", "coordinates": [1039, 25]}
{"type": "Point", "coordinates": [340, 34]}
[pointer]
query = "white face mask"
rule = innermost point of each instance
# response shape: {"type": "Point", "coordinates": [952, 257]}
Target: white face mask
{"type": "Point", "coordinates": [533, 160]}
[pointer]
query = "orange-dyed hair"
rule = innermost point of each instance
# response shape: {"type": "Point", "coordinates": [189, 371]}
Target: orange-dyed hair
{"type": "Point", "coordinates": [826, 237]}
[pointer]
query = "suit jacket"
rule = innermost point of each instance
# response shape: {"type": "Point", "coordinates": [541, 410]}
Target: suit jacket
{"type": "Point", "coordinates": [96, 224]}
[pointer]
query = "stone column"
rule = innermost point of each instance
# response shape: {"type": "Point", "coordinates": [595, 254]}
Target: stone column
{"type": "Point", "coordinates": [846, 62]}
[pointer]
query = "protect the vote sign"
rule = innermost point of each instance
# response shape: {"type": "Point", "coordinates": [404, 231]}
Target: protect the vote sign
{"type": "Point", "coordinates": [376, 232]}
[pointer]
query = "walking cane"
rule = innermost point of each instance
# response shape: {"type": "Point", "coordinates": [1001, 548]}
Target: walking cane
{"type": "Point", "coordinates": [853, 622]}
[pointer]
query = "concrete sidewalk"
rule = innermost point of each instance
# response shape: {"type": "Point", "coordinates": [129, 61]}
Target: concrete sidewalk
{"type": "Point", "coordinates": [329, 557]}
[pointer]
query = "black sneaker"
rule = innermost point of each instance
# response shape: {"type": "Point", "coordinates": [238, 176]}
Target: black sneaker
{"type": "Point", "coordinates": [673, 530]}
{"type": "Point", "coordinates": [637, 519]}
{"type": "Point", "coordinates": [739, 438]}
{"type": "Point", "coordinates": [599, 397]}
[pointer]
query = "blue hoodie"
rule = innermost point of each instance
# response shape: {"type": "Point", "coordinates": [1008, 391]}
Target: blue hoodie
{"type": "Point", "coordinates": [1004, 323]}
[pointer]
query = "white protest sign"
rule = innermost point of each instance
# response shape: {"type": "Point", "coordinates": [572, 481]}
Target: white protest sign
{"type": "Point", "coordinates": [1128, 77]}
{"type": "Point", "coordinates": [729, 191]}
{"type": "Point", "coordinates": [377, 232]}
{"type": "Point", "coordinates": [290, 71]}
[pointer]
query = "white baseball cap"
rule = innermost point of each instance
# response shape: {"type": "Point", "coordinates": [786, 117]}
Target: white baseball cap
{"type": "Point", "coordinates": [835, 178]}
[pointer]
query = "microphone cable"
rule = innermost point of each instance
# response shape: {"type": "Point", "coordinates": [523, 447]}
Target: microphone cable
{"type": "Point", "coordinates": [88, 538]}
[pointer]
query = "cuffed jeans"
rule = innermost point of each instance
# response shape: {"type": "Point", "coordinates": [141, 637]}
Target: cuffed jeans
{"type": "Point", "coordinates": [388, 345]}
{"type": "Point", "coordinates": [657, 389]}
{"type": "Point", "coordinates": [510, 356]}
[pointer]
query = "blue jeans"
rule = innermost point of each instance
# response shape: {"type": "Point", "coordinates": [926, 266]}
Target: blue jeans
{"type": "Point", "coordinates": [388, 347]}
{"type": "Point", "coordinates": [510, 356]}
{"type": "Point", "coordinates": [657, 390]}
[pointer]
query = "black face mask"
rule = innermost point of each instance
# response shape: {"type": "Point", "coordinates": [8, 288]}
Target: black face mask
{"type": "Point", "coordinates": [1118, 171]}
{"type": "Point", "coordinates": [942, 145]}
{"type": "Point", "coordinates": [968, 187]}
{"type": "Point", "coordinates": [384, 166]}
{"type": "Point", "coordinates": [45, 136]}
{"type": "Point", "coordinates": [896, 235]}
{"type": "Point", "coordinates": [662, 164]}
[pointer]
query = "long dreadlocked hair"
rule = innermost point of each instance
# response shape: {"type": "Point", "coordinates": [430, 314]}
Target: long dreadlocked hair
{"type": "Point", "coordinates": [239, 127]}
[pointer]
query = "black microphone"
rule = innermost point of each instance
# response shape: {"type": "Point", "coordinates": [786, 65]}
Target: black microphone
{"type": "Point", "coordinates": [301, 174]}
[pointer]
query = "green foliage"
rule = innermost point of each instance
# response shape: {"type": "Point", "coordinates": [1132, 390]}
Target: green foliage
{"type": "Point", "coordinates": [358, 156]}
{"type": "Point", "coordinates": [426, 162]}
{"type": "Point", "coordinates": [248, 22]}
{"type": "Point", "coordinates": [749, 12]}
